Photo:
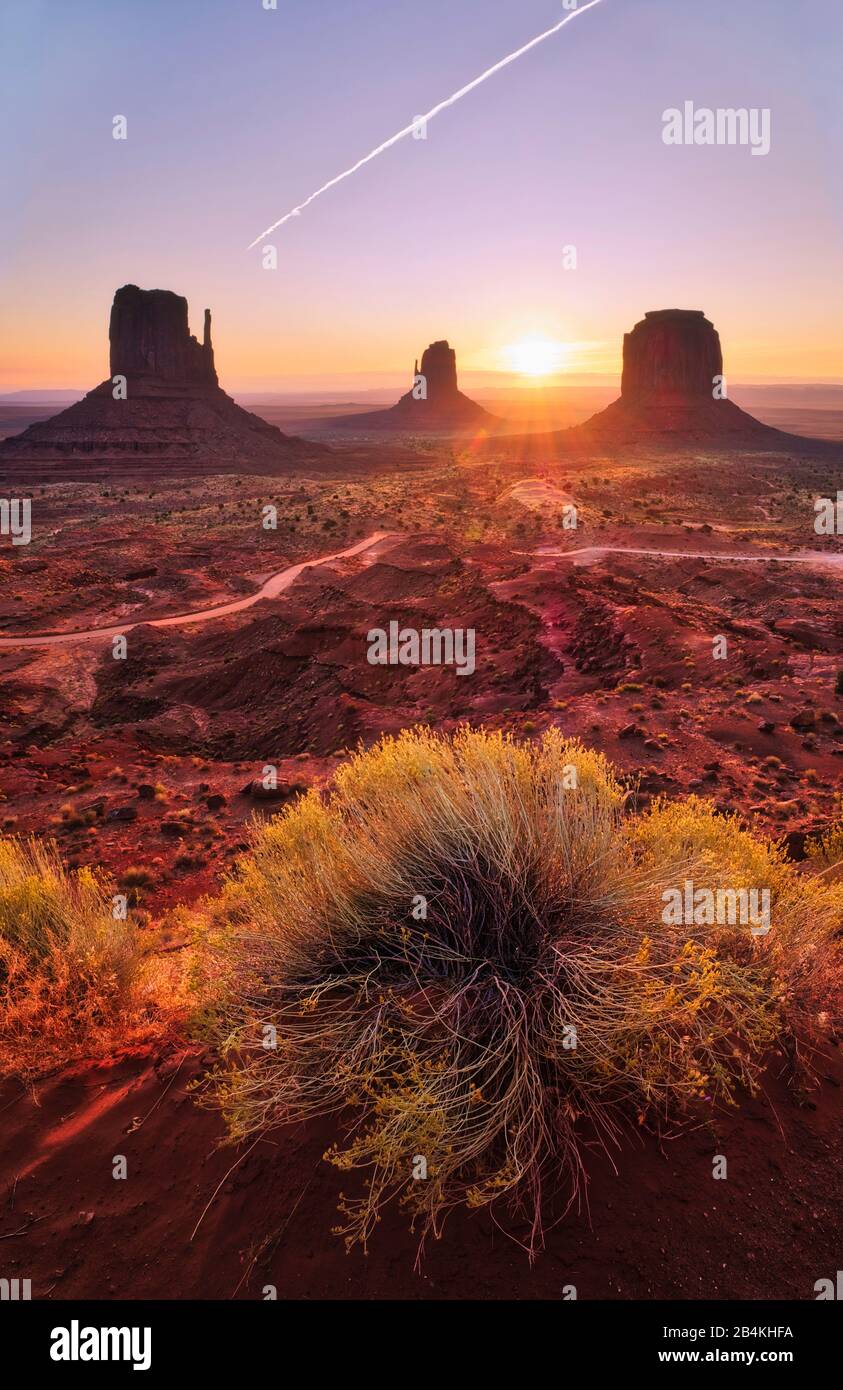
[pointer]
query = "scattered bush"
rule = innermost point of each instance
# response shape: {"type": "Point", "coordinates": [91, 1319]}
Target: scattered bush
{"type": "Point", "coordinates": [825, 852]}
{"type": "Point", "coordinates": [134, 880]}
{"type": "Point", "coordinates": [136, 876]}
{"type": "Point", "coordinates": [72, 818]}
{"type": "Point", "coordinates": [68, 969]}
{"type": "Point", "coordinates": [467, 959]}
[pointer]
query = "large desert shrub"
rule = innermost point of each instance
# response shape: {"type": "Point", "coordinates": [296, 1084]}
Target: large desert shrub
{"type": "Point", "coordinates": [461, 948]}
{"type": "Point", "coordinates": [68, 969]}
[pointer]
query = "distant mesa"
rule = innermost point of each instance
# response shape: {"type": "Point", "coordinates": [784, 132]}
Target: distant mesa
{"type": "Point", "coordinates": [434, 402]}
{"type": "Point", "coordinates": [672, 386]}
{"type": "Point", "coordinates": [671, 393]}
{"type": "Point", "coordinates": [175, 418]}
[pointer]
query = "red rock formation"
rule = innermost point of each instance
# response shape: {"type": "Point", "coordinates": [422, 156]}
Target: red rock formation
{"type": "Point", "coordinates": [148, 334]}
{"type": "Point", "coordinates": [669, 396]}
{"type": "Point", "coordinates": [172, 418]}
{"type": "Point", "coordinates": [670, 392]}
{"type": "Point", "coordinates": [439, 369]}
{"type": "Point", "coordinates": [672, 360]}
{"type": "Point", "coordinates": [434, 403]}
{"type": "Point", "coordinates": [671, 353]}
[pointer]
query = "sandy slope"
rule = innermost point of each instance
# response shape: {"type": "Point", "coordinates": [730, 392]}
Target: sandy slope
{"type": "Point", "coordinates": [659, 1227]}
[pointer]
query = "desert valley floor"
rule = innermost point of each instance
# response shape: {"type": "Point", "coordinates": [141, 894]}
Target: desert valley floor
{"type": "Point", "coordinates": [151, 768]}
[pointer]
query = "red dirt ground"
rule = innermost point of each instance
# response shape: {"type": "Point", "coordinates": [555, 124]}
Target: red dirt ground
{"type": "Point", "coordinates": [153, 766]}
{"type": "Point", "coordinates": [661, 1227]}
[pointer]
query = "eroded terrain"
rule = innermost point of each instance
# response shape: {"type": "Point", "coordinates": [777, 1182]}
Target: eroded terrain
{"type": "Point", "coordinates": [643, 630]}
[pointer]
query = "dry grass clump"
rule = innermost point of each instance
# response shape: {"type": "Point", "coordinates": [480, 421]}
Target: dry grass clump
{"type": "Point", "coordinates": [825, 852]}
{"type": "Point", "coordinates": [462, 948]}
{"type": "Point", "coordinates": [800, 960]}
{"type": "Point", "coordinates": [68, 969]}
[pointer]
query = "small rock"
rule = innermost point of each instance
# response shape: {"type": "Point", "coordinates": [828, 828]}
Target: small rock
{"type": "Point", "coordinates": [173, 827]}
{"type": "Point", "coordinates": [804, 719]}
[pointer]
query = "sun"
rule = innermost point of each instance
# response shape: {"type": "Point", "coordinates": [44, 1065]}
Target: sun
{"type": "Point", "coordinates": [536, 356]}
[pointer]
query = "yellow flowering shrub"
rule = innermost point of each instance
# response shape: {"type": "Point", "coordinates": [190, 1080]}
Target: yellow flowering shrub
{"type": "Point", "coordinates": [461, 950]}
{"type": "Point", "coordinates": [68, 969]}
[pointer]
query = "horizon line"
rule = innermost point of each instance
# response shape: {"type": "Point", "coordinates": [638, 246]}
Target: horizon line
{"type": "Point", "coordinates": [511, 378]}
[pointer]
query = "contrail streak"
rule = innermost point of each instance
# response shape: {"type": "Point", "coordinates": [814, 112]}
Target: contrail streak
{"type": "Point", "coordinates": [408, 130]}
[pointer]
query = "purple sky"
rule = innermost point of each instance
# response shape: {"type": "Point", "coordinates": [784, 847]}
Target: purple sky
{"type": "Point", "coordinates": [235, 114]}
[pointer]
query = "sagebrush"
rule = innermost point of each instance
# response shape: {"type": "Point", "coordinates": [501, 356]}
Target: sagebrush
{"type": "Point", "coordinates": [461, 950]}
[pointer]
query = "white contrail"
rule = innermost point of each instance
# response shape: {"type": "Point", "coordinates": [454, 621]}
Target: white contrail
{"type": "Point", "coordinates": [408, 130]}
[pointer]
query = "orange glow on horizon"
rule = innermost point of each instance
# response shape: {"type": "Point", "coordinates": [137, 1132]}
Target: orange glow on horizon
{"type": "Point", "coordinates": [254, 356]}
{"type": "Point", "coordinates": [537, 357]}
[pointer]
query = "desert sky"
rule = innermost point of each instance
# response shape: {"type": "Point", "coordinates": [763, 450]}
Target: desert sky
{"type": "Point", "coordinates": [236, 113]}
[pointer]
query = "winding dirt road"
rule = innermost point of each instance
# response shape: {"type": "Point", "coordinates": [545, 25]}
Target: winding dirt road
{"type": "Point", "coordinates": [810, 557]}
{"type": "Point", "coordinates": [275, 585]}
